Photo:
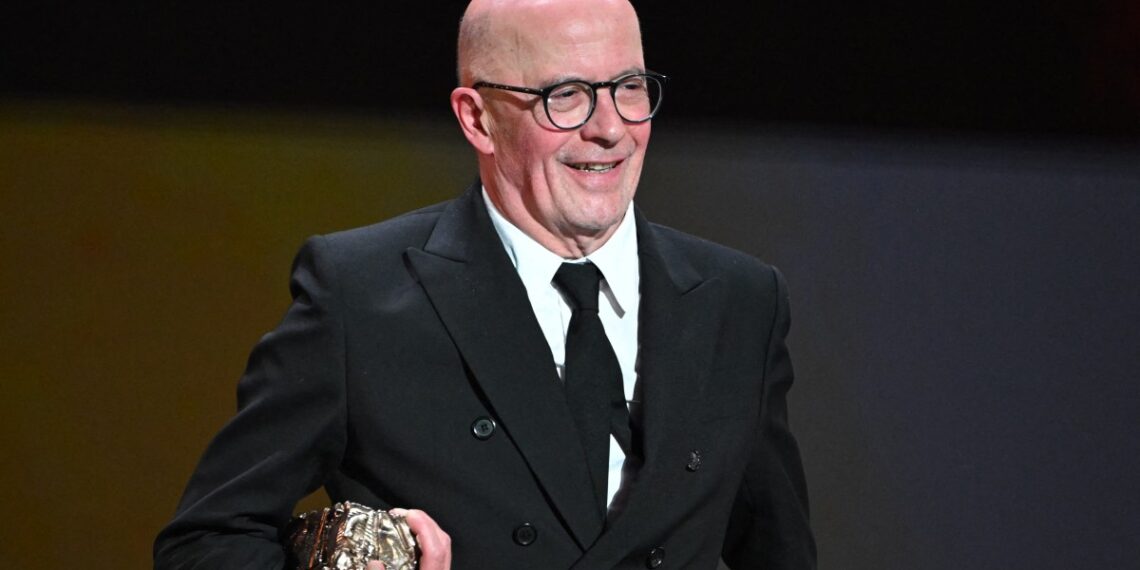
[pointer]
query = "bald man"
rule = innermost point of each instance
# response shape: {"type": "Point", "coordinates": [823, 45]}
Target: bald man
{"type": "Point", "coordinates": [449, 360]}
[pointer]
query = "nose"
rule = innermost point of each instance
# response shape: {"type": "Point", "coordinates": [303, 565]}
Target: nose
{"type": "Point", "coordinates": [605, 126]}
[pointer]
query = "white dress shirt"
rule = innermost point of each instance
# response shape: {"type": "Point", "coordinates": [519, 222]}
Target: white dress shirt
{"type": "Point", "coordinates": [619, 298]}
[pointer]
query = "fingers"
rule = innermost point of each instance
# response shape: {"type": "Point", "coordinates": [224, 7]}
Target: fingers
{"type": "Point", "coordinates": [435, 545]}
{"type": "Point", "coordinates": [375, 565]}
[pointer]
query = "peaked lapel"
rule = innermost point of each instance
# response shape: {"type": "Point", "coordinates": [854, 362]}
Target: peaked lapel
{"type": "Point", "coordinates": [681, 313]}
{"type": "Point", "coordinates": [483, 304]}
{"type": "Point", "coordinates": [680, 321]}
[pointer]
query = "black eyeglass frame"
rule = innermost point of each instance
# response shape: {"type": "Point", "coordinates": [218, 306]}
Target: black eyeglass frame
{"type": "Point", "coordinates": [546, 91]}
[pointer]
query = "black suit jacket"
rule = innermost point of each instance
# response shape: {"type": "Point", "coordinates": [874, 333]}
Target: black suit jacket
{"type": "Point", "coordinates": [403, 334]}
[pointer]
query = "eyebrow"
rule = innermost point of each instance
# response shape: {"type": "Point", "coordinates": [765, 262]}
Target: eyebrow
{"type": "Point", "coordinates": [564, 78]}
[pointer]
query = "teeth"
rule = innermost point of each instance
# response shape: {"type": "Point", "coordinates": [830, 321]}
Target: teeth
{"type": "Point", "coordinates": [594, 167]}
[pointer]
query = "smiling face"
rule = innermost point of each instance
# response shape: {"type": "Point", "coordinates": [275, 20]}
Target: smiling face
{"type": "Point", "coordinates": [567, 189]}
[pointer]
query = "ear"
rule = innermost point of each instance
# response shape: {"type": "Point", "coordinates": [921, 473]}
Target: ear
{"type": "Point", "coordinates": [467, 105]}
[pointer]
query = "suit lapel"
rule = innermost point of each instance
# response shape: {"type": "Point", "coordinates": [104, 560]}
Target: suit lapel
{"type": "Point", "coordinates": [483, 304]}
{"type": "Point", "coordinates": [680, 319]}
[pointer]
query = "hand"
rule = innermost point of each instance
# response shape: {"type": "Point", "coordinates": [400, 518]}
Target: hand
{"type": "Point", "coordinates": [435, 545]}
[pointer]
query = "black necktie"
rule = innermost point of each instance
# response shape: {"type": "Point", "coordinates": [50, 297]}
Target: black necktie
{"type": "Point", "coordinates": [593, 379]}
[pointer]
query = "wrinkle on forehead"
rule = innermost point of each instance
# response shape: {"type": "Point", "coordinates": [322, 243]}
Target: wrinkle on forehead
{"type": "Point", "coordinates": [498, 36]}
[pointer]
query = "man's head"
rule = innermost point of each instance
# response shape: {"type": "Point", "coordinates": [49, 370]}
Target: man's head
{"type": "Point", "coordinates": [568, 189]}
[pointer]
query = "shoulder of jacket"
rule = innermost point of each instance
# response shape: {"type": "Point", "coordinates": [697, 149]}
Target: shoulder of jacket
{"type": "Point", "coordinates": [406, 230]}
{"type": "Point", "coordinates": [708, 256]}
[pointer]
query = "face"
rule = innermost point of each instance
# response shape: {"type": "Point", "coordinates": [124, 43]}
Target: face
{"type": "Point", "coordinates": [575, 185]}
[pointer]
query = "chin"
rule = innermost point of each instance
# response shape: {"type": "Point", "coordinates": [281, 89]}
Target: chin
{"type": "Point", "coordinates": [598, 221]}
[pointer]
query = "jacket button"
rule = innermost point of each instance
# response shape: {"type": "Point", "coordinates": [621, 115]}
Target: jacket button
{"type": "Point", "coordinates": [694, 460]}
{"type": "Point", "coordinates": [656, 558]}
{"type": "Point", "coordinates": [525, 534]}
{"type": "Point", "coordinates": [482, 428]}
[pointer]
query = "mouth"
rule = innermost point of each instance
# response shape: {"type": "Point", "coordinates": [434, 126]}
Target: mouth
{"type": "Point", "coordinates": [594, 167]}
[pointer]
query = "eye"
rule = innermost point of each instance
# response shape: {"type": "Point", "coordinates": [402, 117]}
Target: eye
{"type": "Point", "coordinates": [568, 91]}
{"type": "Point", "coordinates": [568, 97]}
{"type": "Point", "coordinates": [634, 90]}
{"type": "Point", "coordinates": [633, 84]}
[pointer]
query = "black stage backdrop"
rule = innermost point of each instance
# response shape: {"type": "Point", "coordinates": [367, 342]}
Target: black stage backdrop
{"type": "Point", "coordinates": [1055, 67]}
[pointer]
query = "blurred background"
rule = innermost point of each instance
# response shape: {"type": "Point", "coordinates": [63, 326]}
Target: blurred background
{"type": "Point", "coordinates": [951, 188]}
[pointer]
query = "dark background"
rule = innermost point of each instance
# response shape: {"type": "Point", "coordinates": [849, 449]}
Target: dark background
{"type": "Point", "coordinates": [964, 330]}
{"type": "Point", "coordinates": [1064, 67]}
{"type": "Point", "coordinates": [951, 188]}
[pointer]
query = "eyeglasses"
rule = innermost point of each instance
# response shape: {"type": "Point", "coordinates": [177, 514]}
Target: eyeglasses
{"type": "Point", "coordinates": [570, 104]}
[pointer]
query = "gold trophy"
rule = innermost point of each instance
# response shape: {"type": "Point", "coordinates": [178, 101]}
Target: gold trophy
{"type": "Point", "coordinates": [347, 536]}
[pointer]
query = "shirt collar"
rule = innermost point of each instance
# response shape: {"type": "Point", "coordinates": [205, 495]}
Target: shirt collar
{"type": "Point", "coordinates": [616, 259]}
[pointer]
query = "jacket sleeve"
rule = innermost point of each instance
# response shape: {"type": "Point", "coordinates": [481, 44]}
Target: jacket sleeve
{"type": "Point", "coordinates": [769, 526]}
{"type": "Point", "coordinates": [287, 435]}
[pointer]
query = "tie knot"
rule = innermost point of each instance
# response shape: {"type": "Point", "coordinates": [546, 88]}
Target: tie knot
{"type": "Point", "coordinates": [580, 282]}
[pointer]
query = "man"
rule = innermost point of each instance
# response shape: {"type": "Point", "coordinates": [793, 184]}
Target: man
{"type": "Point", "coordinates": [436, 360]}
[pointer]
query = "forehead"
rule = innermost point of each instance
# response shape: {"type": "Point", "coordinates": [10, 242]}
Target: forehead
{"type": "Point", "coordinates": [563, 40]}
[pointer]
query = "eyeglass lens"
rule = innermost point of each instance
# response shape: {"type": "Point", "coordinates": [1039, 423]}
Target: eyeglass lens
{"type": "Point", "coordinates": [636, 99]}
